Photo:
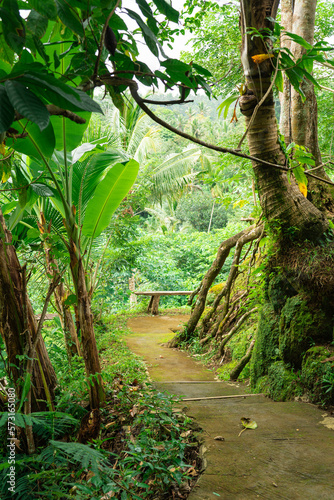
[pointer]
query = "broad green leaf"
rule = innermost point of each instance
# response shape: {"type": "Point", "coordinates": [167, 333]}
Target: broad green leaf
{"type": "Point", "coordinates": [73, 131]}
{"type": "Point", "coordinates": [178, 71]}
{"type": "Point", "coordinates": [279, 81]}
{"type": "Point", "coordinates": [295, 77]}
{"type": "Point", "coordinates": [298, 172]}
{"type": "Point", "coordinates": [166, 9]}
{"type": "Point", "coordinates": [6, 53]}
{"type": "Point", "coordinates": [69, 17]}
{"type": "Point", "coordinates": [6, 110]}
{"type": "Point", "coordinates": [201, 81]}
{"type": "Point", "coordinates": [44, 140]}
{"type": "Point", "coordinates": [8, 207]}
{"type": "Point", "coordinates": [149, 36]}
{"type": "Point", "coordinates": [310, 77]}
{"type": "Point", "coordinates": [201, 70]}
{"type": "Point", "coordinates": [41, 189]}
{"type": "Point", "coordinates": [108, 196]}
{"type": "Point", "coordinates": [37, 24]}
{"type": "Point", "coordinates": [12, 26]}
{"type": "Point", "coordinates": [45, 7]}
{"type": "Point", "coordinates": [298, 39]}
{"type": "Point", "coordinates": [71, 299]}
{"type": "Point", "coordinates": [145, 8]}
{"type": "Point", "coordinates": [60, 94]}
{"type": "Point", "coordinates": [27, 103]}
{"type": "Point", "coordinates": [117, 23]}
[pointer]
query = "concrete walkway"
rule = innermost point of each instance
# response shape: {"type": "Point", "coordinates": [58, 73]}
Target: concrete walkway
{"type": "Point", "coordinates": [289, 456]}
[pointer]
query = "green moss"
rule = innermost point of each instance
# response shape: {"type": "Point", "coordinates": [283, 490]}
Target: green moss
{"type": "Point", "coordinates": [266, 347]}
{"type": "Point", "coordinates": [224, 372]}
{"type": "Point", "coordinates": [283, 383]}
{"type": "Point", "coordinates": [262, 385]}
{"type": "Point", "coordinates": [313, 372]}
{"type": "Point", "coordinates": [299, 328]}
{"type": "Point", "coordinates": [279, 290]}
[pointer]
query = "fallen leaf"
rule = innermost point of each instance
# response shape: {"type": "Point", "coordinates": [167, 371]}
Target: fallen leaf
{"type": "Point", "coordinates": [248, 424]}
{"type": "Point", "coordinates": [185, 434]}
{"type": "Point", "coordinates": [110, 424]}
{"type": "Point", "coordinates": [219, 438]}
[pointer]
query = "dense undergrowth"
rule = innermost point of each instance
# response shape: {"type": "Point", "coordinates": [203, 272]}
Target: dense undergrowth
{"type": "Point", "coordinates": [139, 446]}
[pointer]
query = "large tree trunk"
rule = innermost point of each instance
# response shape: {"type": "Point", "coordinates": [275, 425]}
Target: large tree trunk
{"type": "Point", "coordinates": [299, 288]}
{"type": "Point", "coordinates": [19, 327]}
{"type": "Point", "coordinates": [281, 202]}
{"type": "Point", "coordinates": [85, 316]}
{"type": "Point", "coordinates": [304, 115]}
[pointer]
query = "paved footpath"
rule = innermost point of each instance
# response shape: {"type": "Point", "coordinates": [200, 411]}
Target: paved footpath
{"type": "Point", "coordinates": [289, 456]}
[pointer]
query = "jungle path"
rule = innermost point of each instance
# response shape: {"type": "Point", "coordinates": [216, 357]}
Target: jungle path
{"type": "Point", "coordinates": [289, 456]}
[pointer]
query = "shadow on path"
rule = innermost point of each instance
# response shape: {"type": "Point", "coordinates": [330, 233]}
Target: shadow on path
{"type": "Point", "coordinates": [289, 456]}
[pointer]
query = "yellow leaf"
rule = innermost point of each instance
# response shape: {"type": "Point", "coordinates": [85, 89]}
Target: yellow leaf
{"type": "Point", "coordinates": [303, 188]}
{"type": "Point", "coordinates": [3, 149]}
{"type": "Point", "coordinates": [259, 58]}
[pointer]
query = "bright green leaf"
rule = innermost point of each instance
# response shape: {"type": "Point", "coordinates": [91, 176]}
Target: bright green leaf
{"type": "Point", "coordinates": [108, 196]}
{"type": "Point", "coordinates": [166, 9]}
{"type": "Point", "coordinates": [279, 81]}
{"type": "Point", "coordinates": [45, 140]}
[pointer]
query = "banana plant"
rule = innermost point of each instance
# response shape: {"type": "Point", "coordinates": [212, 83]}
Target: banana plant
{"type": "Point", "coordinates": [86, 193]}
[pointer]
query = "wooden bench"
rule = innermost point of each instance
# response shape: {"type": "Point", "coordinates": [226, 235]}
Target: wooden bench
{"type": "Point", "coordinates": [48, 316]}
{"type": "Point", "coordinates": [155, 298]}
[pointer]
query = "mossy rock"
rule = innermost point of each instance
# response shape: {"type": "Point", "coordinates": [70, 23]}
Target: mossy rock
{"type": "Point", "coordinates": [283, 383]}
{"type": "Point", "coordinates": [279, 290]}
{"type": "Point", "coordinates": [266, 346]}
{"type": "Point", "coordinates": [313, 372]}
{"type": "Point", "coordinates": [299, 328]}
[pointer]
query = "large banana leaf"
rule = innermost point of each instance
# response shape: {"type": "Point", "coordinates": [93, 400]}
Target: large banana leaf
{"type": "Point", "coordinates": [108, 196]}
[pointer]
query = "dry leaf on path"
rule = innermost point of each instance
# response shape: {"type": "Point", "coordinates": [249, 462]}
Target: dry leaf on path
{"type": "Point", "coordinates": [248, 424]}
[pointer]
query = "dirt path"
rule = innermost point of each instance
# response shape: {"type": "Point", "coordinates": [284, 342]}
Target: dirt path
{"type": "Point", "coordinates": [289, 456]}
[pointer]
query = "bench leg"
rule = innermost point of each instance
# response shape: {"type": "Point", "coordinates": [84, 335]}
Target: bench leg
{"type": "Point", "coordinates": [155, 304]}
{"type": "Point", "coordinates": [150, 304]}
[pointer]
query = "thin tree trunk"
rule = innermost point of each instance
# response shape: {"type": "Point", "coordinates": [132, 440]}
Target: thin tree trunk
{"type": "Point", "coordinates": [18, 326]}
{"type": "Point", "coordinates": [285, 96]}
{"type": "Point", "coordinates": [85, 316]}
{"type": "Point", "coordinates": [235, 329]}
{"type": "Point", "coordinates": [243, 362]}
{"type": "Point", "coordinates": [206, 283]}
{"type": "Point", "coordinates": [65, 316]}
{"type": "Point", "coordinates": [304, 122]}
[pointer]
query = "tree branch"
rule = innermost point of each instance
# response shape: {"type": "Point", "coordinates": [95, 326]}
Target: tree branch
{"type": "Point", "coordinates": [56, 111]}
